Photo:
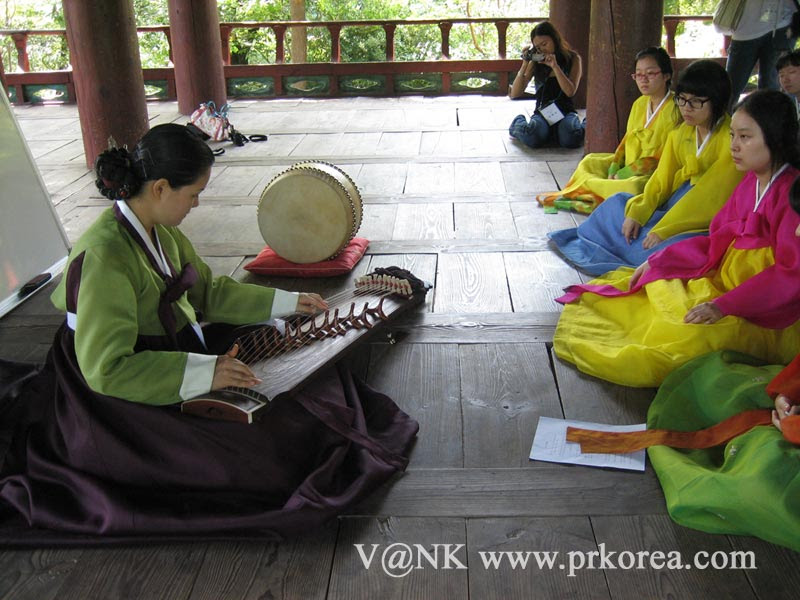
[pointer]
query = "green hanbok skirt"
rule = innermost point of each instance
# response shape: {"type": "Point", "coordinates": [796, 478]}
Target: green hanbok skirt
{"type": "Point", "coordinates": [748, 486]}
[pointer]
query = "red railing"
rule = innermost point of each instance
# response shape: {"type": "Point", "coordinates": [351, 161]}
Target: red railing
{"type": "Point", "coordinates": [500, 66]}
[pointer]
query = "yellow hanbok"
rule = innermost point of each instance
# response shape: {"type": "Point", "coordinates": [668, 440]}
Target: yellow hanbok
{"type": "Point", "coordinates": [633, 162]}
{"type": "Point", "coordinates": [637, 338]}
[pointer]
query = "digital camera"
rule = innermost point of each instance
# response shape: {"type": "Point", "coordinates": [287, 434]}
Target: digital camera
{"type": "Point", "coordinates": [531, 54]}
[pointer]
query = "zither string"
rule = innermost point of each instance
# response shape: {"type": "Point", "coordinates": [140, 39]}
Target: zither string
{"type": "Point", "coordinates": [259, 351]}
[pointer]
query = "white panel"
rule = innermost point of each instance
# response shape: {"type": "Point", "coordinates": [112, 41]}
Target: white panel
{"type": "Point", "coordinates": [32, 240]}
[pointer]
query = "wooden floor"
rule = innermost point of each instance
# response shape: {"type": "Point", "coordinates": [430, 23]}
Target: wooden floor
{"type": "Point", "coordinates": [450, 196]}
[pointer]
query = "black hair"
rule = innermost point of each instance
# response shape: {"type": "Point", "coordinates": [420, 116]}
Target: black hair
{"type": "Point", "coordinates": [169, 151]}
{"type": "Point", "coordinates": [790, 59]}
{"type": "Point", "coordinates": [794, 195]}
{"type": "Point", "coordinates": [776, 116]}
{"type": "Point", "coordinates": [661, 57]}
{"type": "Point", "coordinates": [706, 79]}
{"type": "Point", "coordinates": [563, 51]}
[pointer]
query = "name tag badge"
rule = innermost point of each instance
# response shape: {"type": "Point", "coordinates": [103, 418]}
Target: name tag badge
{"type": "Point", "coordinates": [552, 114]}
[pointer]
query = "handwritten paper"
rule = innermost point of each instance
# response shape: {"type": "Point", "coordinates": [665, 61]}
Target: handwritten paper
{"type": "Point", "coordinates": [550, 444]}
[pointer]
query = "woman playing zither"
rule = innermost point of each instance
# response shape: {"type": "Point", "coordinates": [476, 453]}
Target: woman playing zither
{"type": "Point", "coordinates": [99, 445]}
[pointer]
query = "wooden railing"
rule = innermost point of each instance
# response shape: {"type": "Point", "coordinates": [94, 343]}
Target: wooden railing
{"type": "Point", "coordinates": [279, 78]}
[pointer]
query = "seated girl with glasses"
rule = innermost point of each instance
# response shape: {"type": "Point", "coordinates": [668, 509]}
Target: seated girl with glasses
{"type": "Point", "coordinates": [735, 289]}
{"type": "Point", "coordinates": [653, 116]}
{"type": "Point", "coordinates": [556, 71]}
{"type": "Point", "coordinates": [694, 177]}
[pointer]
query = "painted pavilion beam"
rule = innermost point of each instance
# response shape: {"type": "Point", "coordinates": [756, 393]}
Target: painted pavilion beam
{"type": "Point", "coordinates": [107, 71]}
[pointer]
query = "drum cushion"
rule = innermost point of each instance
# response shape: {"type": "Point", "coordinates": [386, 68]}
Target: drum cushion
{"type": "Point", "coordinates": [269, 263]}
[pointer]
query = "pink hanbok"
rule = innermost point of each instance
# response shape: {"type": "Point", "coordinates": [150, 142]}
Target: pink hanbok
{"type": "Point", "coordinates": [748, 265]}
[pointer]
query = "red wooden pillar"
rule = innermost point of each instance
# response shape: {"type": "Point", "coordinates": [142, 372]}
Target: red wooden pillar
{"type": "Point", "coordinates": [107, 71]}
{"type": "Point", "coordinates": [389, 29]}
{"type": "Point", "coordinates": [571, 18]}
{"type": "Point", "coordinates": [197, 55]}
{"type": "Point", "coordinates": [620, 28]}
{"type": "Point", "coordinates": [225, 39]}
{"type": "Point", "coordinates": [445, 31]}
{"type": "Point", "coordinates": [336, 45]}
{"type": "Point", "coordinates": [280, 42]}
{"type": "Point", "coordinates": [502, 34]}
{"type": "Point", "coordinates": [671, 29]}
{"type": "Point", "coordinates": [21, 44]}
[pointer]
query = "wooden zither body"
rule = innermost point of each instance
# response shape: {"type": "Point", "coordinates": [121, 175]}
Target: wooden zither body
{"type": "Point", "coordinates": [289, 353]}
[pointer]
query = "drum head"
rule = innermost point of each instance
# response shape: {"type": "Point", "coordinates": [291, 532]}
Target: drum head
{"type": "Point", "coordinates": [307, 214]}
{"type": "Point", "coordinates": [344, 180]}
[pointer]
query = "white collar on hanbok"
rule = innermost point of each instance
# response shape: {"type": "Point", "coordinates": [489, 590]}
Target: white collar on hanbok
{"type": "Point", "coordinates": [759, 194]}
{"type": "Point", "coordinates": [701, 146]}
{"type": "Point", "coordinates": [651, 114]}
{"type": "Point", "coordinates": [155, 249]}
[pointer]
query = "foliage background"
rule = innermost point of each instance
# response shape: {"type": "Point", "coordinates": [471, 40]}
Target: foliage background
{"type": "Point", "coordinates": [253, 46]}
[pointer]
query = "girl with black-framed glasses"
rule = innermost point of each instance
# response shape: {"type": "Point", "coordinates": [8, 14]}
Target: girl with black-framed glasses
{"type": "Point", "coordinates": [694, 178]}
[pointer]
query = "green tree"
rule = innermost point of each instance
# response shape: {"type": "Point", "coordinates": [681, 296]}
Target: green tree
{"type": "Point", "coordinates": [153, 46]}
{"type": "Point", "coordinates": [45, 52]}
{"type": "Point", "coordinates": [689, 7]}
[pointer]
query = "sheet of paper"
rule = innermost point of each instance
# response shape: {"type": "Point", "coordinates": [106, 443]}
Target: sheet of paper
{"type": "Point", "coordinates": [550, 444]}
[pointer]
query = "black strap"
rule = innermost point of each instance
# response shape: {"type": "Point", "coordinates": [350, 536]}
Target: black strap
{"type": "Point", "coordinates": [240, 139]}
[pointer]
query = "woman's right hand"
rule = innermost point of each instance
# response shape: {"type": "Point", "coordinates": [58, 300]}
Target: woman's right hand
{"type": "Point", "coordinates": [637, 274]}
{"type": "Point", "coordinates": [630, 229]}
{"type": "Point", "coordinates": [310, 304]}
{"type": "Point", "coordinates": [783, 408]}
{"type": "Point", "coordinates": [231, 372]}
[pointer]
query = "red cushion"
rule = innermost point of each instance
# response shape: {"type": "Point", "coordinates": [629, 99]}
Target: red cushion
{"type": "Point", "coordinates": [269, 263]}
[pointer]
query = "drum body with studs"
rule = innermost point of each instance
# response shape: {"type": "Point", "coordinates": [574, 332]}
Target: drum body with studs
{"type": "Point", "coordinates": [309, 212]}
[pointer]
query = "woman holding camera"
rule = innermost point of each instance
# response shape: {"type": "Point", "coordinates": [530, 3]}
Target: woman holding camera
{"type": "Point", "coordinates": [694, 177]}
{"type": "Point", "coordinates": [653, 116]}
{"type": "Point", "coordinates": [556, 71]}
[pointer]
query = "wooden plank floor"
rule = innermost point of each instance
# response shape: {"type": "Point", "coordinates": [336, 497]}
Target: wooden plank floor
{"type": "Point", "coordinates": [447, 194]}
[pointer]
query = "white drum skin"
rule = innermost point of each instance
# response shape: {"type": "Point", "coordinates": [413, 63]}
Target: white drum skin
{"type": "Point", "coordinates": [309, 212]}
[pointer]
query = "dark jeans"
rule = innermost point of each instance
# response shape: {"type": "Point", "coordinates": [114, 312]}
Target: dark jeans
{"type": "Point", "coordinates": [743, 55]}
{"type": "Point", "coordinates": [568, 132]}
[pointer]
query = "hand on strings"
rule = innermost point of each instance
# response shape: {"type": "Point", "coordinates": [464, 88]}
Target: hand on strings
{"type": "Point", "coordinates": [637, 274]}
{"type": "Point", "coordinates": [310, 304]}
{"type": "Point", "coordinates": [705, 313]}
{"type": "Point", "coordinates": [652, 240]}
{"type": "Point", "coordinates": [783, 408]}
{"type": "Point", "coordinates": [230, 371]}
{"type": "Point", "coordinates": [630, 229]}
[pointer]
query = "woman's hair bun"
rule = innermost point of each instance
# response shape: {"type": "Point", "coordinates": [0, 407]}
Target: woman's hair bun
{"type": "Point", "coordinates": [116, 175]}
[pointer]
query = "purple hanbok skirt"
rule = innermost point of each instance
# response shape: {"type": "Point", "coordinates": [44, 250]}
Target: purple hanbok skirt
{"type": "Point", "coordinates": [79, 462]}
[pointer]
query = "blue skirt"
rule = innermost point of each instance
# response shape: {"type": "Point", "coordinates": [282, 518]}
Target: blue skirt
{"type": "Point", "coordinates": [598, 246]}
